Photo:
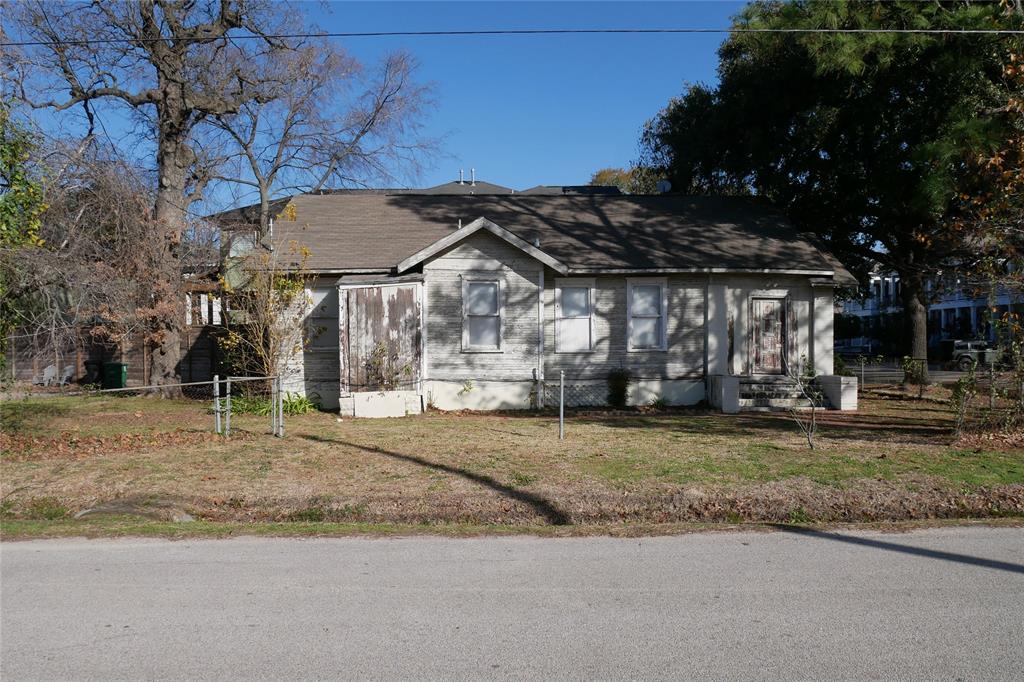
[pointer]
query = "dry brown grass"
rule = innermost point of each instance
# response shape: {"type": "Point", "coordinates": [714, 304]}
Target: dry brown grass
{"type": "Point", "coordinates": [893, 459]}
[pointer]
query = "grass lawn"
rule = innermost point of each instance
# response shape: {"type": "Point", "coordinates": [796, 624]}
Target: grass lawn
{"type": "Point", "coordinates": [157, 459]}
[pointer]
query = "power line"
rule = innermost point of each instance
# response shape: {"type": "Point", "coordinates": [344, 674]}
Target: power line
{"type": "Point", "coordinates": [531, 31]}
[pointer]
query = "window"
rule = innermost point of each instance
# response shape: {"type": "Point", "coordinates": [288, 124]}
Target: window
{"type": "Point", "coordinates": [481, 315]}
{"type": "Point", "coordinates": [574, 314]}
{"type": "Point", "coordinates": [646, 310]}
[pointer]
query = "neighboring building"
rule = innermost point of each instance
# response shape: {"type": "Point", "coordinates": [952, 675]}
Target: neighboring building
{"type": "Point", "coordinates": [479, 301]}
{"type": "Point", "coordinates": [958, 311]}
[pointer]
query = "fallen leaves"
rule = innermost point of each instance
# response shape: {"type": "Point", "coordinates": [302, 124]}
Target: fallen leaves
{"type": "Point", "coordinates": [69, 445]}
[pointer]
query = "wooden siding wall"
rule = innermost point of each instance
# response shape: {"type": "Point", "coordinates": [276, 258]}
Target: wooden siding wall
{"type": "Point", "coordinates": [683, 359]}
{"type": "Point", "coordinates": [482, 255]}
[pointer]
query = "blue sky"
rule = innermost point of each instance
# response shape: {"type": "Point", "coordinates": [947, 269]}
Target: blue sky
{"type": "Point", "coordinates": [528, 110]}
{"type": "Point", "coordinates": [521, 110]}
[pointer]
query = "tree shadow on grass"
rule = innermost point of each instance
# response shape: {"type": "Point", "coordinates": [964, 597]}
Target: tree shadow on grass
{"type": "Point", "coordinates": [905, 549]}
{"type": "Point", "coordinates": [542, 506]}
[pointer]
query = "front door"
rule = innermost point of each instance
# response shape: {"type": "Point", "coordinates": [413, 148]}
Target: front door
{"type": "Point", "coordinates": [769, 340]}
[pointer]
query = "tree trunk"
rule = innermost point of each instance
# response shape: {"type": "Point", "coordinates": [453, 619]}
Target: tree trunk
{"type": "Point", "coordinates": [915, 311]}
{"type": "Point", "coordinates": [168, 301]}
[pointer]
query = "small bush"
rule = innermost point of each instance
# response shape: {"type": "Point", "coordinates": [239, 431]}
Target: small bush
{"type": "Point", "coordinates": [618, 387]}
{"type": "Point", "coordinates": [658, 403]}
{"type": "Point", "coordinates": [251, 405]}
{"type": "Point", "coordinates": [301, 404]}
{"type": "Point", "coordinates": [260, 406]}
{"type": "Point", "coordinates": [839, 366]}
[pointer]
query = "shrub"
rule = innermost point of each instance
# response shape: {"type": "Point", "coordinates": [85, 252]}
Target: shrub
{"type": "Point", "coordinates": [839, 366]}
{"type": "Point", "coordinates": [257, 405]}
{"type": "Point", "coordinates": [618, 387]}
{"type": "Point", "coordinates": [260, 405]}
{"type": "Point", "coordinates": [301, 404]}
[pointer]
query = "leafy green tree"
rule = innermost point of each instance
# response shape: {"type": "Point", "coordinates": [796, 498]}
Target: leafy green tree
{"type": "Point", "coordinates": [21, 208]}
{"type": "Point", "coordinates": [21, 194]}
{"type": "Point", "coordinates": [866, 139]}
{"type": "Point", "coordinates": [636, 180]}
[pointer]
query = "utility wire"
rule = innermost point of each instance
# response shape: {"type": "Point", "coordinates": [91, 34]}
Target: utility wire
{"type": "Point", "coordinates": [529, 31]}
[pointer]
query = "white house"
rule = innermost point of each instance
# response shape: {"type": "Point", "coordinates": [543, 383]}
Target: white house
{"type": "Point", "coordinates": [464, 299]}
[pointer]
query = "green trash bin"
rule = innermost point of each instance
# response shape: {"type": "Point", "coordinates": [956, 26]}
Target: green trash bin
{"type": "Point", "coordinates": [115, 375]}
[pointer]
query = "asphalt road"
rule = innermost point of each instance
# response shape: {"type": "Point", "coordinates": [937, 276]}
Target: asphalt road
{"type": "Point", "coordinates": [932, 605]}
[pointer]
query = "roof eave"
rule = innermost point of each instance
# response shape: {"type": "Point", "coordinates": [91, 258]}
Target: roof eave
{"type": "Point", "coordinates": [669, 271]}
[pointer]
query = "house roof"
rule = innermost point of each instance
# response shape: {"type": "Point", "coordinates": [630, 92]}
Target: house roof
{"type": "Point", "coordinates": [573, 189]}
{"type": "Point", "coordinates": [360, 232]}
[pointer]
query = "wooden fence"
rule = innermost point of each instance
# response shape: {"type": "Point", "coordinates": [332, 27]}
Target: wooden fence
{"type": "Point", "coordinates": [29, 355]}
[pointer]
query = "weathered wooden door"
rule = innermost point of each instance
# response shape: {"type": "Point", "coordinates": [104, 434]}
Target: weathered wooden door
{"type": "Point", "coordinates": [769, 335]}
{"type": "Point", "coordinates": [380, 337]}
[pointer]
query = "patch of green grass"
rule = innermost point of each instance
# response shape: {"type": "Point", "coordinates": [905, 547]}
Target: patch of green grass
{"type": "Point", "coordinates": [309, 515]}
{"type": "Point", "coordinates": [132, 526]}
{"type": "Point", "coordinates": [46, 509]}
{"type": "Point", "coordinates": [974, 468]}
{"type": "Point", "coordinates": [520, 479]}
{"type": "Point", "coordinates": [28, 415]}
{"type": "Point", "coordinates": [799, 515]}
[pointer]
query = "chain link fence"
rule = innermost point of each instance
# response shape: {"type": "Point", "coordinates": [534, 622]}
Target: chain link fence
{"type": "Point", "coordinates": [577, 393]}
{"type": "Point", "coordinates": [216, 401]}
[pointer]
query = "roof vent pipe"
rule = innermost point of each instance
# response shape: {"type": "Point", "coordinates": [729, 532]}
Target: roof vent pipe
{"type": "Point", "coordinates": [461, 181]}
{"type": "Point", "coordinates": [472, 176]}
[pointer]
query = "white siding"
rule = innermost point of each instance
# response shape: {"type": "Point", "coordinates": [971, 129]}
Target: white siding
{"type": "Point", "coordinates": [740, 289]}
{"type": "Point", "coordinates": [315, 370]}
{"type": "Point", "coordinates": [482, 255]}
{"type": "Point", "coordinates": [684, 357]}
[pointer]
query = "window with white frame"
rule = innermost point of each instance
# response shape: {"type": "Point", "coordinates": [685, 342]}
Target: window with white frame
{"type": "Point", "coordinates": [574, 315]}
{"type": "Point", "coordinates": [646, 303]}
{"type": "Point", "coordinates": [481, 315]}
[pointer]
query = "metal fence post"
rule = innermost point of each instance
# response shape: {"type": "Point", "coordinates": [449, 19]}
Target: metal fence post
{"type": "Point", "coordinates": [227, 407]}
{"type": "Point", "coordinates": [216, 403]}
{"type": "Point", "coordinates": [280, 407]}
{"type": "Point", "coordinates": [273, 406]}
{"type": "Point", "coordinates": [561, 405]}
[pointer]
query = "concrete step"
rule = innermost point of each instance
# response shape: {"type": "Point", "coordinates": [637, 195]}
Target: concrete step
{"type": "Point", "coordinates": [773, 393]}
{"type": "Point", "coordinates": [774, 403]}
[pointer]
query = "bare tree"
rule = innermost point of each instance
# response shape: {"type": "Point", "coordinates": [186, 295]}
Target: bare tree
{"type": "Point", "coordinates": [269, 305]}
{"type": "Point", "coordinates": [174, 64]}
{"type": "Point", "coordinates": [331, 121]}
{"type": "Point", "coordinates": [806, 417]}
{"type": "Point", "coordinates": [94, 266]}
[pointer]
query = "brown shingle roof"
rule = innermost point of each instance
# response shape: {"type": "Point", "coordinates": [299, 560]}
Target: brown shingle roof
{"type": "Point", "coordinates": [377, 231]}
